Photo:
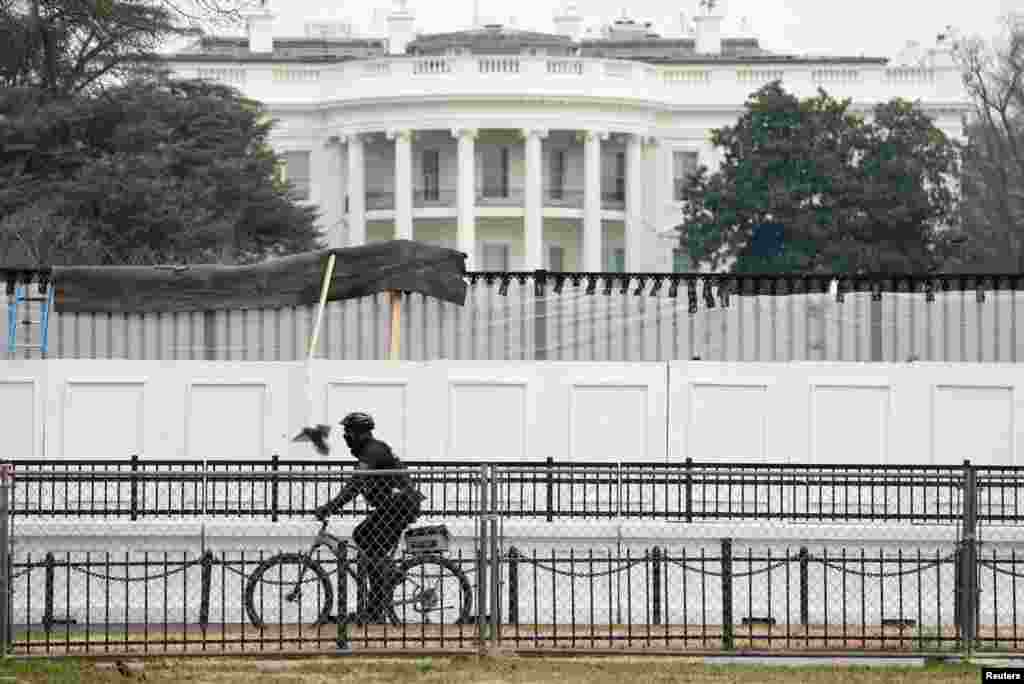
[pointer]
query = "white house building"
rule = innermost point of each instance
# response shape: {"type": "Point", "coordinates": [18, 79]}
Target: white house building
{"type": "Point", "coordinates": [526, 150]}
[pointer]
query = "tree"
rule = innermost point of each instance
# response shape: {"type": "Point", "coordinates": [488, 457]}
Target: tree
{"type": "Point", "coordinates": [152, 171]}
{"type": "Point", "coordinates": [71, 46]}
{"type": "Point", "coordinates": [849, 195]}
{"type": "Point", "coordinates": [994, 160]}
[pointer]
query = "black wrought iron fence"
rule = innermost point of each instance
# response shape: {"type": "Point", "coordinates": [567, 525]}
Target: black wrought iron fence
{"type": "Point", "coordinates": [689, 491]}
{"type": "Point", "coordinates": [541, 560]}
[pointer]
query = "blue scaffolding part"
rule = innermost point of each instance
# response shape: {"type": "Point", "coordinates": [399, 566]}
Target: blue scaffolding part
{"type": "Point", "coordinates": [13, 307]}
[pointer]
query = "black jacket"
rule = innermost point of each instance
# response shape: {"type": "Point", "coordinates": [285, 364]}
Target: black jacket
{"type": "Point", "coordinates": [378, 490]}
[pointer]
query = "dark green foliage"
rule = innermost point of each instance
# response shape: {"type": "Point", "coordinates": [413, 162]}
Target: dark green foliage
{"type": "Point", "coordinates": [851, 195]}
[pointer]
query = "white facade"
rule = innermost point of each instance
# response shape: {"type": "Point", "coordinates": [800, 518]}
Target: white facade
{"type": "Point", "coordinates": [529, 160]}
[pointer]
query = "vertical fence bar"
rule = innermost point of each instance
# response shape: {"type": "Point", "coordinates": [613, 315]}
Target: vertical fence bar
{"type": "Point", "coordinates": [804, 588]}
{"type": "Point", "coordinates": [689, 489]}
{"type": "Point", "coordinates": [481, 564]}
{"type": "Point", "coordinates": [495, 559]}
{"type": "Point", "coordinates": [876, 322]}
{"type": "Point", "coordinates": [275, 480]}
{"type": "Point", "coordinates": [341, 639]}
{"type": "Point", "coordinates": [728, 641]}
{"type": "Point", "coordinates": [513, 585]}
{"type": "Point", "coordinates": [969, 559]}
{"type": "Point", "coordinates": [540, 316]}
{"type": "Point", "coordinates": [550, 462]}
{"type": "Point", "coordinates": [134, 487]}
{"type": "Point", "coordinates": [656, 586]}
{"type": "Point", "coordinates": [6, 475]}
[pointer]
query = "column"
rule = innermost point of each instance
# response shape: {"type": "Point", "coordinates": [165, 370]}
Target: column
{"type": "Point", "coordinates": [534, 211]}
{"type": "Point", "coordinates": [403, 182]}
{"type": "Point", "coordinates": [356, 191]}
{"type": "Point", "coordinates": [592, 200]}
{"type": "Point", "coordinates": [332, 200]}
{"type": "Point", "coordinates": [466, 196]}
{"type": "Point", "coordinates": [634, 205]}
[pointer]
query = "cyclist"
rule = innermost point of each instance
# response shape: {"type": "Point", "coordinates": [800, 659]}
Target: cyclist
{"type": "Point", "coordinates": [396, 505]}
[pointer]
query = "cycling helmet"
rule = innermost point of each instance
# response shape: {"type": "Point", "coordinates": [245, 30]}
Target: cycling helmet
{"type": "Point", "coordinates": [358, 422]}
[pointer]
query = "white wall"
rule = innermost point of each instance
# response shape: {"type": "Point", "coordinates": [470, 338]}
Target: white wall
{"type": "Point", "coordinates": [934, 413]}
{"type": "Point", "coordinates": [825, 412]}
{"type": "Point", "coordinates": [427, 411]}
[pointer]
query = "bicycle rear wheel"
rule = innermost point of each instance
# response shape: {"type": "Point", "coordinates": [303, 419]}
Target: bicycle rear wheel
{"type": "Point", "coordinates": [270, 592]}
{"type": "Point", "coordinates": [430, 590]}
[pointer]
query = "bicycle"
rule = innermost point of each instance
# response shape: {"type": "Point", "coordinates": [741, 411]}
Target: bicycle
{"type": "Point", "coordinates": [424, 546]}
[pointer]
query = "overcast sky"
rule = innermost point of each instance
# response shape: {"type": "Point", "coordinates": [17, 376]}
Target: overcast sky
{"type": "Point", "coordinates": [871, 27]}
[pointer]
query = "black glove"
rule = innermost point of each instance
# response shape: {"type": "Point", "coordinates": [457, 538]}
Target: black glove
{"type": "Point", "coordinates": [322, 512]}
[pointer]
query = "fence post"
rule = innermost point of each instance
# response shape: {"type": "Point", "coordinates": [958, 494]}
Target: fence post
{"type": "Point", "coordinates": [656, 585]}
{"type": "Point", "coordinates": [274, 481]}
{"type": "Point", "coordinates": [6, 475]}
{"type": "Point", "coordinates": [513, 585]}
{"type": "Point", "coordinates": [727, 620]}
{"type": "Point", "coordinates": [876, 321]}
{"type": "Point", "coordinates": [805, 559]}
{"type": "Point", "coordinates": [204, 598]}
{"type": "Point", "coordinates": [341, 641]}
{"type": "Point", "coordinates": [48, 570]}
{"type": "Point", "coordinates": [969, 560]}
{"type": "Point", "coordinates": [540, 316]}
{"type": "Point", "coordinates": [134, 487]}
{"type": "Point", "coordinates": [551, 488]}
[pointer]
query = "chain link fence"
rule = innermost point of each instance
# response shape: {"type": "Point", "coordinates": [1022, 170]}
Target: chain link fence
{"type": "Point", "coordinates": [139, 556]}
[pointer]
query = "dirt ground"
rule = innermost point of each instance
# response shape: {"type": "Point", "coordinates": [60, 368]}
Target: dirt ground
{"type": "Point", "coordinates": [636, 639]}
{"type": "Point", "coordinates": [463, 670]}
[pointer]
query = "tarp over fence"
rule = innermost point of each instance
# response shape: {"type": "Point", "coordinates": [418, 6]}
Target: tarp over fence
{"type": "Point", "coordinates": [401, 265]}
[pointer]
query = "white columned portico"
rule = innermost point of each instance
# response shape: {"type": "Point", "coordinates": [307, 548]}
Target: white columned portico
{"type": "Point", "coordinates": [534, 211]}
{"type": "Point", "coordinates": [466, 194]}
{"type": "Point", "coordinates": [403, 182]}
{"type": "Point", "coordinates": [356, 190]}
{"type": "Point", "coordinates": [634, 201]}
{"type": "Point", "coordinates": [592, 200]}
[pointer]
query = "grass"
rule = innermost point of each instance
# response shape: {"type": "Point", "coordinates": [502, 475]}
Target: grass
{"type": "Point", "coordinates": [470, 670]}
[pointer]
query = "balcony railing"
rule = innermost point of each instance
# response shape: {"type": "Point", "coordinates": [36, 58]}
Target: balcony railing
{"type": "Point", "coordinates": [434, 197]}
{"type": "Point", "coordinates": [490, 75]}
{"type": "Point", "coordinates": [553, 197]}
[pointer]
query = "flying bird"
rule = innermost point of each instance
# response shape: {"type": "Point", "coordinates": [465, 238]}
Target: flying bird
{"type": "Point", "coordinates": [317, 435]}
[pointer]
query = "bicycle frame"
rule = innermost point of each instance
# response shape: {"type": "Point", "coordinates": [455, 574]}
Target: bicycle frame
{"type": "Point", "coordinates": [323, 539]}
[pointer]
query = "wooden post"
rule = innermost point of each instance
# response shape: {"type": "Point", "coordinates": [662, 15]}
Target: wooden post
{"type": "Point", "coordinates": [395, 351]}
{"type": "Point", "coordinates": [328, 275]}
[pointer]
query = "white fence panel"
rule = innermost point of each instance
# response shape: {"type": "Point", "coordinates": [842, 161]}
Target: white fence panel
{"type": "Point", "coordinates": [842, 413]}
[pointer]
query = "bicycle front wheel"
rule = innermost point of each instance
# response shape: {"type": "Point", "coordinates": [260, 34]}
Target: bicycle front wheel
{"type": "Point", "coordinates": [430, 590]}
{"type": "Point", "coordinates": [288, 589]}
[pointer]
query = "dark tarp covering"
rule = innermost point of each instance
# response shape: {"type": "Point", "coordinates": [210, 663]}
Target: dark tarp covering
{"type": "Point", "coordinates": [289, 281]}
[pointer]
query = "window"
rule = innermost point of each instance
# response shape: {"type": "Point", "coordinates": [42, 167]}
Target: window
{"type": "Point", "coordinates": [615, 259]}
{"type": "Point", "coordinates": [680, 261]}
{"type": "Point", "coordinates": [684, 165]}
{"type": "Point", "coordinates": [296, 172]}
{"type": "Point", "coordinates": [556, 189]}
{"type": "Point", "coordinates": [431, 175]}
{"type": "Point", "coordinates": [495, 256]}
{"type": "Point", "coordinates": [613, 183]}
{"type": "Point", "coordinates": [496, 172]}
{"type": "Point", "coordinates": [556, 258]}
